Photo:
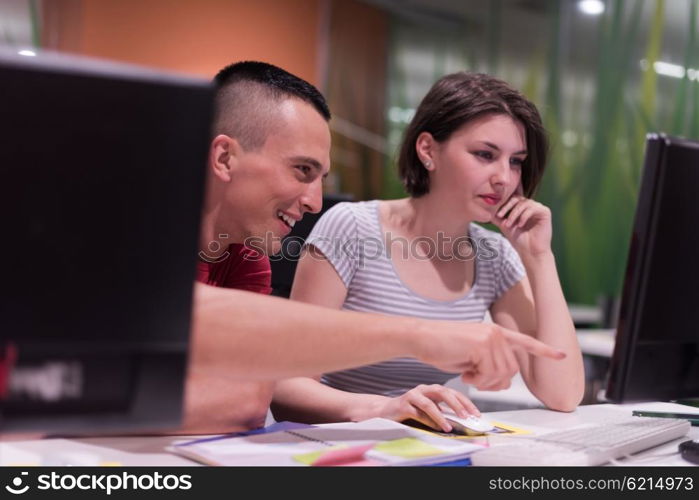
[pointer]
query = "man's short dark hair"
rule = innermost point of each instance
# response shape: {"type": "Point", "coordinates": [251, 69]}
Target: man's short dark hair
{"type": "Point", "coordinates": [248, 93]}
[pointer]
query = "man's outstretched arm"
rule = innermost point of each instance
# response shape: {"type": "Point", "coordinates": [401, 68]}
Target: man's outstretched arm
{"type": "Point", "coordinates": [246, 336]}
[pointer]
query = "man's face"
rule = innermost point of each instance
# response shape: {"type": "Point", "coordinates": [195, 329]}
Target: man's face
{"type": "Point", "coordinates": [274, 186]}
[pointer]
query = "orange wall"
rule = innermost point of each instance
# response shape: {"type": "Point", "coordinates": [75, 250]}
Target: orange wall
{"type": "Point", "coordinates": [193, 36]}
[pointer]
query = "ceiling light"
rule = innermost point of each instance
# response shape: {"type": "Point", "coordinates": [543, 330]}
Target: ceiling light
{"type": "Point", "coordinates": [591, 7]}
{"type": "Point", "coordinates": [27, 52]}
{"type": "Point", "coordinates": [668, 69]}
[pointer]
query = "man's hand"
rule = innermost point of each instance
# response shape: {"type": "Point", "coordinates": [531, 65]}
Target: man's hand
{"type": "Point", "coordinates": [482, 352]}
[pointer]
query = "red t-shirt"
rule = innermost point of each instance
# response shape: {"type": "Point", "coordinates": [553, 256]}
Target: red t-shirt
{"type": "Point", "coordinates": [244, 269]}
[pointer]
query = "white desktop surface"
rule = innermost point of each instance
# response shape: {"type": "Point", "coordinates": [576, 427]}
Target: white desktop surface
{"type": "Point", "coordinates": [150, 451]}
{"type": "Point", "coordinates": [596, 342]}
{"type": "Point", "coordinates": [93, 451]}
{"type": "Point", "coordinates": [585, 314]}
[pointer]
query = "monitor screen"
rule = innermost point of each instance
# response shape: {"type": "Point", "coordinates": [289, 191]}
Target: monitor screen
{"type": "Point", "coordinates": [656, 356]}
{"type": "Point", "coordinates": [101, 184]}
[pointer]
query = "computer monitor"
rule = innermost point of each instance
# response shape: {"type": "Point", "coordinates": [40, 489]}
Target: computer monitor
{"type": "Point", "coordinates": [656, 356]}
{"type": "Point", "coordinates": [284, 263]}
{"type": "Point", "coordinates": [101, 184]}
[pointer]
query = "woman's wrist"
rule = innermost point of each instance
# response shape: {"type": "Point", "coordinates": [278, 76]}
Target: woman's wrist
{"type": "Point", "coordinates": [534, 261]}
{"type": "Point", "coordinates": [369, 407]}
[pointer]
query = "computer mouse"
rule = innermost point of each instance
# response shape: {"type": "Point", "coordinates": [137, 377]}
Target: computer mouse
{"type": "Point", "coordinates": [471, 425]}
{"type": "Point", "coordinates": [690, 451]}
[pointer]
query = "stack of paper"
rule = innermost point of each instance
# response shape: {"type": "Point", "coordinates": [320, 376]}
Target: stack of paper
{"type": "Point", "coordinates": [372, 442]}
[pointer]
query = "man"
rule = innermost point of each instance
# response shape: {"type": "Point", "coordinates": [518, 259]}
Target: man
{"type": "Point", "coordinates": [268, 157]}
{"type": "Point", "coordinates": [270, 149]}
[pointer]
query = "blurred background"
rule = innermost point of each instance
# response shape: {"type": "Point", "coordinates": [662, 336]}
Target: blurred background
{"type": "Point", "coordinates": [603, 74]}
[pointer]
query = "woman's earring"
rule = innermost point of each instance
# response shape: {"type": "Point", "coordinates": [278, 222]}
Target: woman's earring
{"type": "Point", "coordinates": [427, 163]}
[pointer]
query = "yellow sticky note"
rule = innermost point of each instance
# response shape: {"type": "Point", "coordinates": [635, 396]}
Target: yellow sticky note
{"type": "Point", "coordinates": [408, 448]}
{"type": "Point", "coordinates": [309, 458]}
{"type": "Point", "coordinates": [312, 456]}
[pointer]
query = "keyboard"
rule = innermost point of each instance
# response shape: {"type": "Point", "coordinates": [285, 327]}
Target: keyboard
{"type": "Point", "coordinates": [592, 444]}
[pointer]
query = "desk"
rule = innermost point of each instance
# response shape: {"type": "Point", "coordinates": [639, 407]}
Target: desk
{"type": "Point", "coordinates": [596, 342]}
{"type": "Point", "coordinates": [150, 451]}
{"type": "Point", "coordinates": [597, 347]}
{"type": "Point", "coordinates": [584, 315]}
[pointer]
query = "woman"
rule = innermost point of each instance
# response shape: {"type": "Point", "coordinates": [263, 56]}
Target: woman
{"type": "Point", "coordinates": [474, 152]}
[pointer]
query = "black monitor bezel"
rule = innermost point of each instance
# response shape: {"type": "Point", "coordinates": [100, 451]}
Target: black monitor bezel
{"type": "Point", "coordinates": [622, 383]}
{"type": "Point", "coordinates": [151, 395]}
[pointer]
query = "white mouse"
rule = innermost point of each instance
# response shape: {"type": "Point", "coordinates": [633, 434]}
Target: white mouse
{"type": "Point", "coordinates": [469, 425]}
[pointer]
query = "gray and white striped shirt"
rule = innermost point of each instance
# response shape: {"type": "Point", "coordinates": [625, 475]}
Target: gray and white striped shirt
{"type": "Point", "coordinates": [351, 238]}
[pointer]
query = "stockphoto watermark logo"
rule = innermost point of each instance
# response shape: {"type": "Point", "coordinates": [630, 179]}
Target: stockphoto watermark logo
{"type": "Point", "coordinates": [213, 253]}
{"type": "Point", "coordinates": [362, 250]}
{"type": "Point", "coordinates": [18, 485]}
{"type": "Point", "coordinates": [97, 482]}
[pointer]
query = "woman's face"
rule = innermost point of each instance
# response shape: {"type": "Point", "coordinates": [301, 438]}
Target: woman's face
{"type": "Point", "coordinates": [479, 167]}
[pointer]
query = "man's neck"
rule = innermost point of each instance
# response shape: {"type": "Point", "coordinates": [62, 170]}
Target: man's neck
{"type": "Point", "coordinates": [213, 240]}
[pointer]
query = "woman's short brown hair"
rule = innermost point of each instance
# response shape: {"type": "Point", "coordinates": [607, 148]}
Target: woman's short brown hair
{"type": "Point", "coordinates": [457, 99]}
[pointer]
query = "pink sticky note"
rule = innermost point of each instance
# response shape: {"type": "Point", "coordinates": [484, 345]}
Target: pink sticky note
{"type": "Point", "coordinates": [353, 455]}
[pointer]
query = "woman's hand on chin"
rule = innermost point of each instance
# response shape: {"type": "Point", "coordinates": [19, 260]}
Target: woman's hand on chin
{"type": "Point", "coordinates": [526, 224]}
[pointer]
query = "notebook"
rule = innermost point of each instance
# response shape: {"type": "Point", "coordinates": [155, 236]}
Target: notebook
{"type": "Point", "coordinates": [376, 441]}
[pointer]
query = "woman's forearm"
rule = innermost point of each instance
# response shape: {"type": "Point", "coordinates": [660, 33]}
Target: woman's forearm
{"type": "Point", "coordinates": [554, 327]}
{"type": "Point", "coordinates": [304, 399]}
